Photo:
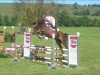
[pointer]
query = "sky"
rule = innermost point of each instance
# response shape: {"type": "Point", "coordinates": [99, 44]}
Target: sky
{"type": "Point", "coordinates": [81, 2]}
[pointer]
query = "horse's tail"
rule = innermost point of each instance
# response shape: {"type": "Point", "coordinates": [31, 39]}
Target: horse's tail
{"type": "Point", "coordinates": [66, 35]}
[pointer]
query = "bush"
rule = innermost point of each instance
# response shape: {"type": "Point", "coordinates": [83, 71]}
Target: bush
{"type": "Point", "coordinates": [8, 37]}
{"type": "Point", "coordinates": [1, 31]}
{"type": "Point", "coordinates": [4, 55]}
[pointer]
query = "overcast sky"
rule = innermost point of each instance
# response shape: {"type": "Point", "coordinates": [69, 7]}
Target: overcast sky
{"type": "Point", "coordinates": [81, 2]}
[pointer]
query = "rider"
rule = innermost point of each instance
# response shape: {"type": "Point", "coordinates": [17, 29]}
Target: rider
{"type": "Point", "coordinates": [49, 20]}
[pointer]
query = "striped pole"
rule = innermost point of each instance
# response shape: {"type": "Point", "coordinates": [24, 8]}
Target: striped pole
{"type": "Point", "coordinates": [53, 64]}
{"type": "Point", "coordinates": [15, 51]}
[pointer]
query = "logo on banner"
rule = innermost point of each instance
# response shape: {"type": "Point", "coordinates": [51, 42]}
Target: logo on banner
{"type": "Point", "coordinates": [27, 38]}
{"type": "Point", "coordinates": [73, 40]}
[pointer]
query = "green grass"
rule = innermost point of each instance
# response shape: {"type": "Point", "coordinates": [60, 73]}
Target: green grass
{"type": "Point", "coordinates": [89, 42]}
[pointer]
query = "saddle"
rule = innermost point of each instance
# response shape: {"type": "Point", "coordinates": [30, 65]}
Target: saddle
{"type": "Point", "coordinates": [47, 23]}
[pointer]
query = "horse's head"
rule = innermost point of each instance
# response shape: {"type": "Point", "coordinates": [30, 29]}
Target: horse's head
{"type": "Point", "coordinates": [38, 26]}
{"type": "Point", "coordinates": [43, 29]}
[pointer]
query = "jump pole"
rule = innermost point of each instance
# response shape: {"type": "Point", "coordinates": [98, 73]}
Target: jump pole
{"type": "Point", "coordinates": [15, 52]}
{"type": "Point", "coordinates": [53, 64]}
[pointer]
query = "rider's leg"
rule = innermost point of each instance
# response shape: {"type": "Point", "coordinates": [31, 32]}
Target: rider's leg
{"type": "Point", "coordinates": [56, 29]}
{"type": "Point", "coordinates": [54, 26]}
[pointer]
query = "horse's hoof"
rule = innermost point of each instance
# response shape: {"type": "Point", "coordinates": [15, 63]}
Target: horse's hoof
{"type": "Point", "coordinates": [46, 38]}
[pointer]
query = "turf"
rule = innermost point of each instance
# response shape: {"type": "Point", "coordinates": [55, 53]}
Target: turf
{"type": "Point", "coordinates": [89, 43]}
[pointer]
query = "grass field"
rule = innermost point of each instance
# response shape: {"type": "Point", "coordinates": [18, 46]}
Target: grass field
{"type": "Point", "coordinates": [89, 57]}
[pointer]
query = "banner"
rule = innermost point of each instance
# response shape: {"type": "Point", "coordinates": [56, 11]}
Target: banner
{"type": "Point", "coordinates": [27, 43]}
{"type": "Point", "coordinates": [73, 50]}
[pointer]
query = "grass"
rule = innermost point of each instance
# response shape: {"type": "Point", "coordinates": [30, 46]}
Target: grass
{"type": "Point", "coordinates": [89, 57]}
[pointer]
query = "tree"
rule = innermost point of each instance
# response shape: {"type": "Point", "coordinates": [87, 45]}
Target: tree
{"type": "Point", "coordinates": [97, 13]}
{"type": "Point", "coordinates": [29, 11]}
{"type": "Point", "coordinates": [95, 23]}
{"type": "Point", "coordinates": [20, 11]}
{"type": "Point", "coordinates": [64, 19]}
{"type": "Point", "coordinates": [84, 12]}
{"type": "Point", "coordinates": [6, 21]}
{"type": "Point", "coordinates": [85, 21]}
{"type": "Point", "coordinates": [75, 5]}
{"type": "Point", "coordinates": [13, 21]}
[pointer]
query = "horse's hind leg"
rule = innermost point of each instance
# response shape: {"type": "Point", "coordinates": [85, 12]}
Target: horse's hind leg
{"type": "Point", "coordinates": [58, 41]}
{"type": "Point", "coordinates": [59, 44]}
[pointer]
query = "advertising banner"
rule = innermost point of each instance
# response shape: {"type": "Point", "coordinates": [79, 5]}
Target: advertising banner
{"type": "Point", "coordinates": [27, 44]}
{"type": "Point", "coordinates": [73, 50]}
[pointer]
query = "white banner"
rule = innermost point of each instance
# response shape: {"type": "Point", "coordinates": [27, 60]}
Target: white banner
{"type": "Point", "coordinates": [27, 43]}
{"type": "Point", "coordinates": [73, 50]}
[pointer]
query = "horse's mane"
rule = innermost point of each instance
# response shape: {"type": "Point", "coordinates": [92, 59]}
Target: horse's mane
{"type": "Point", "coordinates": [40, 22]}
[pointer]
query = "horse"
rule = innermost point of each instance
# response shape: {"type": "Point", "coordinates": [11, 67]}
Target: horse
{"type": "Point", "coordinates": [42, 29]}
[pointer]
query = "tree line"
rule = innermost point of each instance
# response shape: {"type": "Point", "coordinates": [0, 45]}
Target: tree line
{"type": "Point", "coordinates": [85, 11]}
{"type": "Point", "coordinates": [95, 5]}
{"type": "Point", "coordinates": [71, 21]}
{"type": "Point", "coordinates": [62, 19]}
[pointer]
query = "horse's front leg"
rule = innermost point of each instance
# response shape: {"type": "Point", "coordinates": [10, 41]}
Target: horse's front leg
{"type": "Point", "coordinates": [43, 36]}
{"type": "Point", "coordinates": [40, 36]}
{"type": "Point", "coordinates": [46, 38]}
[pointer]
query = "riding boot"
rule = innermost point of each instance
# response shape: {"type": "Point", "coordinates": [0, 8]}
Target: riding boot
{"type": "Point", "coordinates": [55, 28]}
